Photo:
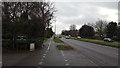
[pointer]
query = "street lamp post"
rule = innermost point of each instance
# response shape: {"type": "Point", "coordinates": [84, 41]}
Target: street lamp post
{"type": "Point", "coordinates": [55, 30]}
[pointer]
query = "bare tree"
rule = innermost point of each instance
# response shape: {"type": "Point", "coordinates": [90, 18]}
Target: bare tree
{"type": "Point", "coordinates": [72, 27]}
{"type": "Point", "coordinates": [73, 30]}
{"type": "Point", "coordinates": [100, 27]}
{"type": "Point", "coordinates": [27, 18]}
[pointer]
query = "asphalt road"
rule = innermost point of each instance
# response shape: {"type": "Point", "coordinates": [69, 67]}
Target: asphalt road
{"type": "Point", "coordinates": [99, 54]}
{"type": "Point", "coordinates": [0, 53]}
{"type": "Point", "coordinates": [55, 57]}
{"type": "Point", "coordinates": [83, 54]}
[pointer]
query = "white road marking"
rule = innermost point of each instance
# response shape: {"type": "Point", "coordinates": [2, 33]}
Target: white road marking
{"type": "Point", "coordinates": [92, 62]}
{"type": "Point", "coordinates": [43, 56]}
{"type": "Point", "coordinates": [67, 64]}
{"type": "Point", "coordinates": [62, 53]}
{"type": "Point", "coordinates": [40, 63]}
{"type": "Point", "coordinates": [49, 46]}
{"type": "Point", "coordinates": [42, 59]}
{"type": "Point", "coordinates": [66, 60]}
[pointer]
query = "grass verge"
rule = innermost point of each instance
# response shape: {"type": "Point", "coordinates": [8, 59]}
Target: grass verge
{"type": "Point", "coordinates": [99, 42]}
{"type": "Point", "coordinates": [63, 47]}
{"type": "Point", "coordinates": [57, 40]}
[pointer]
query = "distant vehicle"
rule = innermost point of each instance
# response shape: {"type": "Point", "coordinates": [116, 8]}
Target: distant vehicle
{"type": "Point", "coordinates": [67, 37]}
{"type": "Point", "coordinates": [78, 37]}
{"type": "Point", "coordinates": [108, 39]}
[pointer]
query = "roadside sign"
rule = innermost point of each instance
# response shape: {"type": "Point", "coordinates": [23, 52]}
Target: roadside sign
{"type": "Point", "coordinates": [32, 46]}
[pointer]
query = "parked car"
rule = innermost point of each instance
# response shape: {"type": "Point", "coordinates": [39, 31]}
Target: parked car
{"type": "Point", "coordinates": [78, 37]}
{"type": "Point", "coordinates": [108, 39]}
{"type": "Point", "coordinates": [67, 37]}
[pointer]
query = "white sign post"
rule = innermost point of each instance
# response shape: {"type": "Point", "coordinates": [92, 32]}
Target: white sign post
{"type": "Point", "coordinates": [32, 46]}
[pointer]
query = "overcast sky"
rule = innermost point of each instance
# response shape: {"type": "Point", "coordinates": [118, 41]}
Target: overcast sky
{"type": "Point", "coordinates": [80, 13]}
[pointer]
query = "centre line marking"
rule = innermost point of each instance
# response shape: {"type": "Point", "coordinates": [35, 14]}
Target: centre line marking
{"type": "Point", "coordinates": [92, 62]}
{"type": "Point", "coordinates": [62, 53]}
{"type": "Point", "coordinates": [67, 64]}
{"type": "Point", "coordinates": [66, 60]}
{"type": "Point", "coordinates": [42, 59]}
{"type": "Point", "coordinates": [43, 56]}
{"type": "Point", "coordinates": [40, 63]}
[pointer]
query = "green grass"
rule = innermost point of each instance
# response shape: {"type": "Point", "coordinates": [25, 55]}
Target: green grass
{"type": "Point", "coordinates": [63, 47]}
{"type": "Point", "coordinates": [57, 40]}
{"type": "Point", "coordinates": [99, 42]}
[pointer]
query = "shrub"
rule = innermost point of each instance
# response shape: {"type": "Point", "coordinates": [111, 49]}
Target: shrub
{"type": "Point", "coordinates": [7, 44]}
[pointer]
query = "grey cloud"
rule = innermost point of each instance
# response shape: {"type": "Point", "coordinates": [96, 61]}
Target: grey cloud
{"type": "Point", "coordinates": [69, 12]}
